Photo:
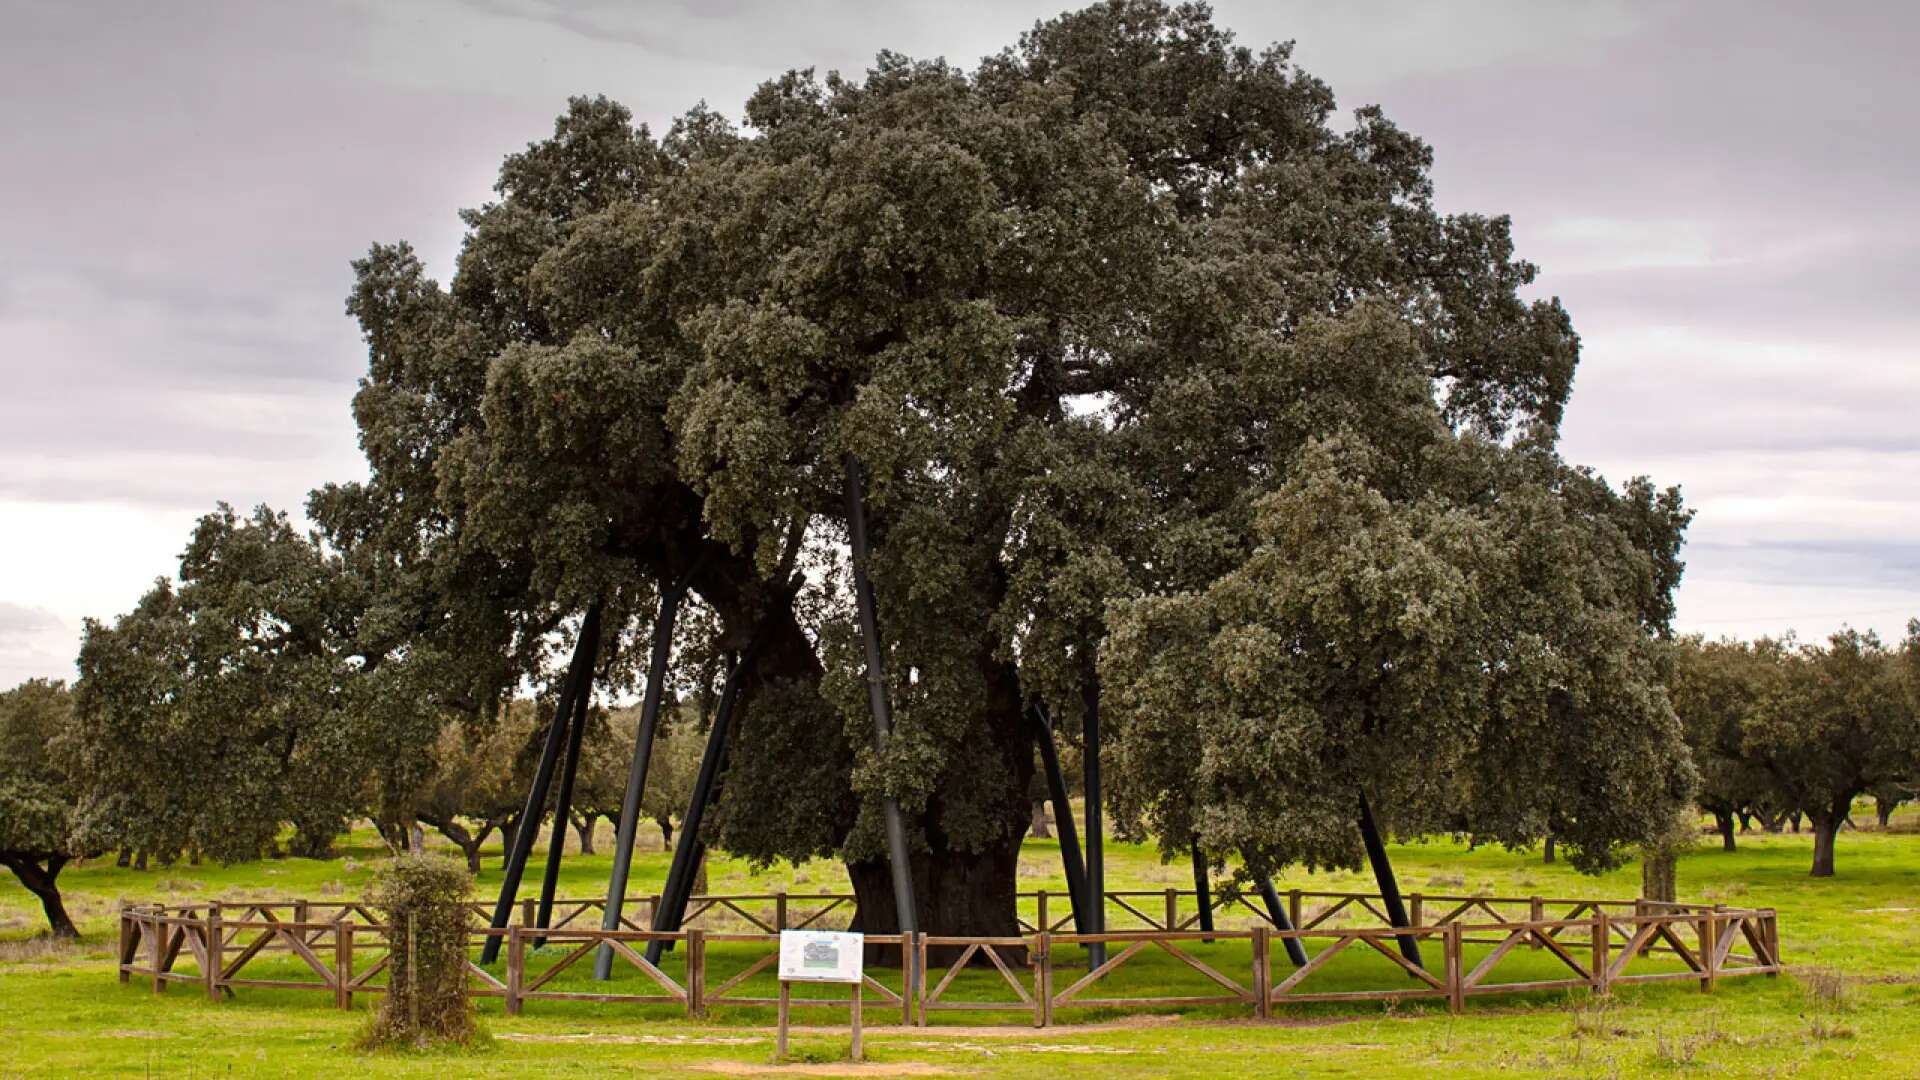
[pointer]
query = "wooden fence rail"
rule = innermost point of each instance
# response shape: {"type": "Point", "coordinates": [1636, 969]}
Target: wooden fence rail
{"type": "Point", "coordinates": [338, 947]}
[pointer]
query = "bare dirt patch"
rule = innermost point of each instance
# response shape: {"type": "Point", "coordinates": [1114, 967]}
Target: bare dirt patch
{"type": "Point", "coordinates": [638, 1040]}
{"type": "Point", "coordinates": [844, 1068]}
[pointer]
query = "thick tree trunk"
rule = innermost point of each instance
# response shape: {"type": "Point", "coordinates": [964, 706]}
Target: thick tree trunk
{"type": "Point", "coordinates": [140, 860]}
{"type": "Point", "coordinates": [960, 894]}
{"type": "Point", "coordinates": [963, 893]}
{"type": "Point", "coordinates": [468, 842]}
{"type": "Point", "coordinates": [42, 882]}
{"type": "Point", "coordinates": [509, 829]}
{"type": "Point", "coordinates": [308, 843]}
{"type": "Point", "coordinates": [1746, 820]}
{"type": "Point", "coordinates": [125, 860]}
{"type": "Point", "coordinates": [583, 829]}
{"type": "Point", "coordinates": [1883, 809]}
{"type": "Point", "coordinates": [1795, 819]}
{"type": "Point", "coordinates": [666, 832]}
{"type": "Point", "coordinates": [1724, 822]}
{"type": "Point", "coordinates": [1550, 853]}
{"type": "Point", "coordinates": [1040, 830]}
{"type": "Point", "coordinates": [1826, 825]}
{"type": "Point", "coordinates": [1657, 873]}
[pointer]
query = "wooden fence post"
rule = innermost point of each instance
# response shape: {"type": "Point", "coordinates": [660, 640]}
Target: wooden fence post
{"type": "Point", "coordinates": [516, 969]}
{"type": "Point", "coordinates": [696, 973]}
{"type": "Point", "coordinates": [920, 974]}
{"type": "Point", "coordinates": [786, 1013]}
{"type": "Point", "coordinates": [127, 930]}
{"type": "Point", "coordinates": [1602, 944]}
{"type": "Point", "coordinates": [859, 991]}
{"type": "Point", "coordinates": [343, 962]}
{"type": "Point", "coordinates": [1456, 969]}
{"type": "Point", "coordinates": [1419, 904]}
{"type": "Point", "coordinates": [1709, 944]}
{"type": "Point", "coordinates": [213, 957]}
{"type": "Point", "coordinates": [907, 966]}
{"type": "Point", "coordinates": [157, 935]}
{"type": "Point", "coordinates": [1046, 978]}
{"type": "Point", "coordinates": [1293, 908]}
{"type": "Point", "coordinates": [1771, 935]}
{"type": "Point", "coordinates": [779, 911]}
{"type": "Point", "coordinates": [1262, 977]}
{"type": "Point", "coordinates": [1536, 913]}
{"type": "Point", "coordinates": [1173, 909]}
{"type": "Point", "coordinates": [1036, 959]}
{"type": "Point", "coordinates": [1040, 914]}
{"type": "Point", "coordinates": [526, 912]}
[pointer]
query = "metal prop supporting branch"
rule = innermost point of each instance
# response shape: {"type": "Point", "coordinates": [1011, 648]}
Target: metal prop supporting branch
{"type": "Point", "coordinates": [1277, 914]}
{"type": "Point", "coordinates": [670, 599]}
{"type": "Point", "coordinates": [1074, 865]}
{"type": "Point", "coordinates": [1202, 894]}
{"type": "Point", "coordinates": [563, 803]}
{"type": "Point", "coordinates": [897, 854]}
{"type": "Point", "coordinates": [1096, 902]}
{"type": "Point", "coordinates": [688, 849]}
{"type": "Point", "coordinates": [585, 652]}
{"type": "Point", "coordinates": [1389, 887]}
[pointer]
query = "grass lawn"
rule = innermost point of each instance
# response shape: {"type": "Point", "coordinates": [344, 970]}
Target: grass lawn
{"type": "Point", "coordinates": [63, 1013]}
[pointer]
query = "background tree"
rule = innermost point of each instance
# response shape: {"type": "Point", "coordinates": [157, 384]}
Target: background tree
{"type": "Point", "coordinates": [38, 793]}
{"type": "Point", "coordinates": [1887, 798]}
{"type": "Point", "coordinates": [246, 699]}
{"type": "Point", "coordinates": [1717, 688]}
{"type": "Point", "coordinates": [1840, 720]}
{"type": "Point", "coordinates": [478, 784]}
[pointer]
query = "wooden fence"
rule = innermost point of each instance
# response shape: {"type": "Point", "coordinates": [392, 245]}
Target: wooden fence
{"type": "Point", "coordinates": [338, 947]}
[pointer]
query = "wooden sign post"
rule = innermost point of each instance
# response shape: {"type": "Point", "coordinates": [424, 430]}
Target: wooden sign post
{"type": "Point", "coordinates": [819, 956]}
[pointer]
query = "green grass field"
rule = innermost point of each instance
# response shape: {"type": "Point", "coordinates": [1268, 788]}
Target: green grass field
{"type": "Point", "coordinates": [63, 1012]}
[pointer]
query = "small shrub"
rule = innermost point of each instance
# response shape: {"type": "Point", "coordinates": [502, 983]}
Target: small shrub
{"type": "Point", "coordinates": [419, 899]}
{"type": "Point", "coordinates": [1593, 1019]}
{"type": "Point", "coordinates": [1825, 989]}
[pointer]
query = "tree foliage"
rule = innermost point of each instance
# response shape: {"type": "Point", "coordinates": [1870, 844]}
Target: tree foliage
{"type": "Point", "coordinates": [1448, 631]}
{"type": "Point", "coordinates": [38, 793]}
{"type": "Point", "coordinates": [1107, 320]}
{"type": "Point", "coordinates": [1836, 721]}
{"type": "Point", "coordinates": [243, 699]}
{"type": "Point", "coordinates": [1717, 689]}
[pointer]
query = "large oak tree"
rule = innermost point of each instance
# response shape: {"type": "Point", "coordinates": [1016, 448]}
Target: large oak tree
{"type": "Point", "coordinates": [1086, 313]}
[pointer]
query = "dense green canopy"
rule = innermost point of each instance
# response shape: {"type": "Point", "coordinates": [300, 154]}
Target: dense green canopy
{"type": "Point", "coordinates": [243, 699]}
{"type": "Point", "coordinates": [1835, 721]}
{"type": "Point", "coordinates": [1111, 320]}
{"type": "Point", "coordinates": [39, 790]}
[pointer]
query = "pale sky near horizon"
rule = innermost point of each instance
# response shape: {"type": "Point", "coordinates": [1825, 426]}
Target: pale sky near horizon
{"type": "Point", "coordinates": [1720, 193]}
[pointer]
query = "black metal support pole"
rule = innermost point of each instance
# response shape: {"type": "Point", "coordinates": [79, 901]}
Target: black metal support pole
{"type": "Point", "coordinates": [1389, 888]}
{"type": "Point", "coordinates": [569, 767]}
{"type": "Point", "coordinates": [537, 794]}
{"type": "Point", "coordinates": [670, 598]}
{"type": "Point", "coordinates": [1096, 827]}
{"type": "Point", "coordinates": [689, 848]}
{"type": "Point", "coordinates": [1277, 914]}
{"type": "Point", "coordinates": [897, 853]}
{"type": "Point", "coordinates": [1070, 859]}
{"type": "Point", "coordinates": [1202, 893]}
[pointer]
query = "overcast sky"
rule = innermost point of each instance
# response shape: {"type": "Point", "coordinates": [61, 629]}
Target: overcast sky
{"type": "Point", "coordinates": [1721, 193]}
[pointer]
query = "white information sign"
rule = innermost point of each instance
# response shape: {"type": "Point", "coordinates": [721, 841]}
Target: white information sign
{"type": "Point", "coordinates": [820, 956]}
